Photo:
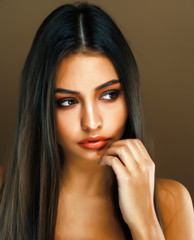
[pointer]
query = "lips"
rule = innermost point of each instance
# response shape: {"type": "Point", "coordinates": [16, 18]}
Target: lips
{"type": "Point", "coordinates": [94, 143]}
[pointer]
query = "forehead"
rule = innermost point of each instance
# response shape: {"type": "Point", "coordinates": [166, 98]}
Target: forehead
{"type": "Point", "coordinates": [80, 70]}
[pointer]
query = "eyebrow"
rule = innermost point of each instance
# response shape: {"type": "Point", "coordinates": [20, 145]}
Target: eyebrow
{"type": "Point", "coordinates": [109, 83]}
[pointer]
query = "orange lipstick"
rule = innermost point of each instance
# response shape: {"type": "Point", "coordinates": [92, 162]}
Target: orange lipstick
{"type": "Point", "coordinates": [94, 143]}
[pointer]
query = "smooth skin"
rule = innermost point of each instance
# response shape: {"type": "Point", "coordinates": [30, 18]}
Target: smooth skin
{"type": "Point", "coordinates": [85, 208]}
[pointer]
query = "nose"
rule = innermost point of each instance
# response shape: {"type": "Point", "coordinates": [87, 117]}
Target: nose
{"type": "Point", "coordinates": [91, 118]}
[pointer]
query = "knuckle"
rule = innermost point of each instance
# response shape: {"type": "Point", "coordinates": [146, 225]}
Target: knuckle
{"type": "Point", "coordinates": [114, 160]}
{"type": "Point", "coordinates": [128, 141]}
{"type": "Point", "coordinates": [138, 141]}
{"type": "Point", "coordinates": [151, 164]}
{"type": "Point", "coordinates": [145, 166]}
{"type": "Point", "coordinates": [123, 148]}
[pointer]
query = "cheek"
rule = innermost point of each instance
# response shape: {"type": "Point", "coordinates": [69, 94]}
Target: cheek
{"type": "Point", "coordinates": [120, 118]}
{"type": "Point", "coordinates": [116, 117]}
{"type": "Point", "coordinates": [65, 126]}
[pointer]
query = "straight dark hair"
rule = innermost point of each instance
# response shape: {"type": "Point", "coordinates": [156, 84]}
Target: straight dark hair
{"type": "Point", "coordinates": [29, 195]}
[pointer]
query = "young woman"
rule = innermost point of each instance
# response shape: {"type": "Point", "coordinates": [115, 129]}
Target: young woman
{"type": "Point", "coordinates": [80, 169]}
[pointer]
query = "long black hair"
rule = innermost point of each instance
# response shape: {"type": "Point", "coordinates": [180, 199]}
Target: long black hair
{"type": "Point", "coordinates": [29, 196]}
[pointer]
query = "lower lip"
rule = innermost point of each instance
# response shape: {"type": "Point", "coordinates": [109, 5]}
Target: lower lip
{"type": "Point", "coordinates": [94, 145]}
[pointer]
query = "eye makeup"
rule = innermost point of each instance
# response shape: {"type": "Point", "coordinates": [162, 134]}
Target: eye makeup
{"type": "Point", "coordinates": [107, 96]}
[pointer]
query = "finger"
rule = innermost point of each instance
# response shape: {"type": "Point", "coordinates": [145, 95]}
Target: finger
{"type": "Point", "coordinates": [143, 151]}
{"type": "Point", "coordinates": [130, 143]}
{"type": "Point", "coordinates": [117, 166]}
{"type": "Point", "coordinates": [124, 154]}
{"type": "Point", "coordinates": [141, 147]}
{"type": "Point", "coordinates": [137, 149]}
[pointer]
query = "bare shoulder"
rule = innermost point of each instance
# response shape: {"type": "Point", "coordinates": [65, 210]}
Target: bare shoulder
{"type": "Point", "coordinates": [2, 172]}
{"type": "Point", "coordinates": [171, 194]}
{"type": "Point", "coordinates": [175, 208]}
{"type": "Point", "coordinates": [171, 189]}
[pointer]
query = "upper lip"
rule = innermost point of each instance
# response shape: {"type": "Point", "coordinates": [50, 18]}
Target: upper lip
{"type": "Point", "coordinates": [93, 139]}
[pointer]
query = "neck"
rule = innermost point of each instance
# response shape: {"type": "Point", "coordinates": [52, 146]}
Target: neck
{"type": "Point", "coordinates": [86, 178]}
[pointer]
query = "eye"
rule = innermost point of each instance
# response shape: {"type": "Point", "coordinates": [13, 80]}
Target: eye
{"type": "Point", "coordinates": [110, 95]}
{"type": "Point", "coordinates": [66, 102]}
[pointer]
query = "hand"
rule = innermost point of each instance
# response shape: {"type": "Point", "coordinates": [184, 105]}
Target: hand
{"type": "Point", "coordinates": [135, 173]}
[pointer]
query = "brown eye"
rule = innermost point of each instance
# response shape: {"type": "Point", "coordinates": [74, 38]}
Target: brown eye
{"type": "Point", "coordinates": [110, 95]}
{"type": "Point", "coordinates": [66, 102]}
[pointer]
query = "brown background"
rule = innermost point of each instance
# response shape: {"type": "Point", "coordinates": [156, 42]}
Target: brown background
{"type": "Point", "coordinates": [161, 35]}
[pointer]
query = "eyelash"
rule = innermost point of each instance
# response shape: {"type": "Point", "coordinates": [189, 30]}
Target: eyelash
{"type": "Point", "coordinates": [61, 101]}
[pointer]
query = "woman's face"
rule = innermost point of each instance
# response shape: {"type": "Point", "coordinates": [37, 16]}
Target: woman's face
{"type": "Point", "coordinates": [89, 103]}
